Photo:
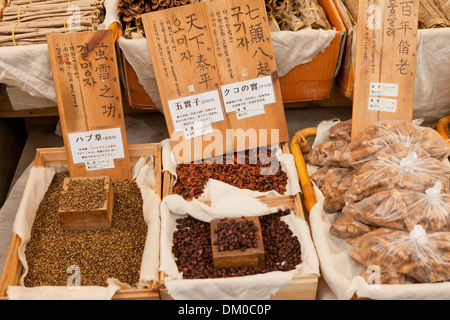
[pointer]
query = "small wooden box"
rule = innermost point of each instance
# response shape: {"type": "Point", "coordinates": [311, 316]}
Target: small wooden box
{"type": "Point", "coordinates": [93, 219]}
{"type": "Point", "coordinates": [251, 257]}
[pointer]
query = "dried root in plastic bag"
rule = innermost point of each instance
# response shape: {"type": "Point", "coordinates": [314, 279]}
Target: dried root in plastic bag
{"type": "Point", "coordinates": [348, 228]}
{"type": "Point", "coordinates": [422, 256]}
{"type": "Point", "coordinates": [318, 177]}
{"type": "Point", "coordinates": [327, 153]}
{"type": "Point", "coordinates": [430, 209]}
{"type": "Point", "coordinates": [406, 170]}
{"type": "Point", "coordinates": [336, 184]}
{"type": "Point", "coordinates": [404, 209]}
{"type": "Point", "coordinates": [377, 137]}
{"type": "Point", "coordinates": [383, 209]}
{"type": "Point", "coordinates": [433, 143]}
{"type": "Point", "coordinates": [341, 131]}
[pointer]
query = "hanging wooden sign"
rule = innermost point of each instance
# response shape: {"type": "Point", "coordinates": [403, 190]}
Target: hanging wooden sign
{"type": "Point", "coordinates": [385, 61]}
{"type": "Point", "coordinates": [183, 59]}
{"type": "Point", "coordinates": [89, 101]}
{"type": "Point", "coordinates": [248, 71]}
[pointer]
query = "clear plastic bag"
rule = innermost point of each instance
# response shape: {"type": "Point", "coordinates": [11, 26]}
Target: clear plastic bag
{"type": "Point", "coordinates": [409, 170]}
{"type": "Point", "coordinates": [337, 183]}
{"type": "Point", "coordinates": [318, 177]}
{"type": "Point", "coordinates": [327, 153]}
{"type": "Point", "coordinates": [404, 209]}
{"type": "Point", "coordinates": [341, 131]}
{"type": "Point", "coordinates": [425, 257]}
{"type": "Point", "coordinates": [375, 138]}
{"type": "Point", "coordinates": [348, 228]}
{"type": "Point", "coordinates": [383, 209]}
{"type": "Point", "coordinates": [430, 209]}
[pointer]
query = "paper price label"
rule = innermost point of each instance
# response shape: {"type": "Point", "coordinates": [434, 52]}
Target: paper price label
{"type": "Point", "coordinates": [95, 145]}
{"type": "Point", "coordinates": [198, 129]}
{"type": "Point", "coordinates": [99, 164]}
{"type": "Point", "coordinates": [252, 93]}
{"type": "Point", "coordinates": [196, 112]}
{"type": "Point", "coordinates": [251, 111]}
{"type": "Point", "coordinates": [384, 89]}
{"type": "Point", "coordinates": [382, 104]}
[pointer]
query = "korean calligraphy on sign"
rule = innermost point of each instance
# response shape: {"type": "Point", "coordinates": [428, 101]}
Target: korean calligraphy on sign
{"type": "Point", "coordinates": [248, 70]}
{"type": "Point", "coordinates": [385, 59]}
{"type": "Point", "coordinates": [199, 49]}
{"type": "Point", "coordinates": [87, 87]}
{"type": "Point", "coordinates": [184, 59]}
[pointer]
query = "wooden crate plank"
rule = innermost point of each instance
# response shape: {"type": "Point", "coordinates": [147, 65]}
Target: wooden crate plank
{"type": "Point", "coordinates": [88, 93]}
{"type": "Point", "coordinates": [385, 59]}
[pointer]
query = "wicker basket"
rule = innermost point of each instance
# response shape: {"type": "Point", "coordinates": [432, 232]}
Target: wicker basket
{"type": "Point", "coordinates": [443, 128]}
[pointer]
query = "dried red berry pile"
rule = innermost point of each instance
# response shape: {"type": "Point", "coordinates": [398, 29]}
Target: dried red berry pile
{"type": "Point", "coordinates": [193, 252]}
{"type": "Point", "coordinates": [246, 170]}
{"type": "Point", "coordinates": [236, 235]}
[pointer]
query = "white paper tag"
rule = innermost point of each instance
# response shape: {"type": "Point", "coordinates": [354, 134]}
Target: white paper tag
{"type": "Point", "coordinates": [246, 112]}
{"type": "Point", "coordinates": [250, 93]}
{"type": "Point", "coordinates": [384, 89]}
{"type": "Point", "coordinates": [197, 129]}
{"type": "Point", "coordinates": [382, 104]}
{"type": "Point", "coordinates": [99, 164]}
{"type": "Point", "coordinates": [200, 111]}
{"type": "Point", "coordinates": [95, 145]}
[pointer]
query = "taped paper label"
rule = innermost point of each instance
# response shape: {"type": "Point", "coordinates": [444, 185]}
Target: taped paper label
{"type": "Point", "coordinates": [252, 93]}
{"type": "Point", "coordinates": [247, 112]}
{"type": "Point", "coordinates": [197, 129]}
{"type": "Point", "coordinates": [382, 104]}
{"type": "Point", "coordinates": [197, 111]}
{"type": "Point", "coordinates": [384, 89]}
{"type": "Point", "coordinates": [96, 145]}
{"type": "Point", "coordinates": [99, 164]}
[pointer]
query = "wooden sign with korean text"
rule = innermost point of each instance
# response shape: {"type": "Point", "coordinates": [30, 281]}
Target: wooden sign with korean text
{"type": "Point", "coordinates": [183, 59]}
{"type": "Point", "coordinates": [248, 71]}
{"type": "Point", "coordinates": [385, 61]}
{"type": "Point", "coordinates": [89, 100]}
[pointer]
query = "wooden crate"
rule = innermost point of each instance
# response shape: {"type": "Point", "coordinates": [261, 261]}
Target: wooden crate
{"type": "Point", "coordinates": [135, 92]}
{"type": "Point", "coordinates": [307, 82]}
{"type": "Point", "coordinates": [314, 80]}
{"type": "Point", "coordinates": [302, 287]}
{"type": "Point", "coordinates": [55, 156]}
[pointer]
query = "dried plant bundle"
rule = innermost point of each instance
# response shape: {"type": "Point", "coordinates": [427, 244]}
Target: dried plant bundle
{"type": "Point", "coordinates": [294, 15]}
{"type": "Point", "coordinates": [26, 23]}
{"type": "Point", "coordinates": [129, 13]}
